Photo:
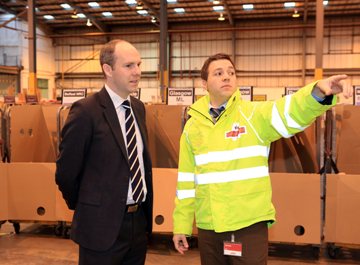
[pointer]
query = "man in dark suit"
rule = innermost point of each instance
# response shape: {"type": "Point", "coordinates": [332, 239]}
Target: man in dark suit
{"type": "Point", "coordinates": [104, 168]}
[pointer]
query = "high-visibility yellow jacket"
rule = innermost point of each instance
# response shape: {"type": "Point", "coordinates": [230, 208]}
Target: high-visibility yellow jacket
{"type": "Point", "coordinates": [223, 175]}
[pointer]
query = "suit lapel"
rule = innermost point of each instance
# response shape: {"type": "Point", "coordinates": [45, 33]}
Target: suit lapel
{"type": "Point", "coordinates": [139, 116]}
{"type": "Point", "coordinates": [112, 119]}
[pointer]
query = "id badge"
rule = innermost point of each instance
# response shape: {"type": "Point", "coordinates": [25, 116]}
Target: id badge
{"type": "Point", "coordinates": [232, 248]}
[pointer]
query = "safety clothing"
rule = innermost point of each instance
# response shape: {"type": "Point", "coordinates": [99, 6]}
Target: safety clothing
{"type": "Point", "coordinates": [223, 174]}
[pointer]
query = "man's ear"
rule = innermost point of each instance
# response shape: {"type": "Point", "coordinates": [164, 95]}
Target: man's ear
{"type": "Point", "coordinates": [107, 70]}
{"type": "Point", "coordinates": [204, 84]}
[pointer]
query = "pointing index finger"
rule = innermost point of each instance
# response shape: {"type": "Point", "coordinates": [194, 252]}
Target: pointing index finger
{"type": "Point", "coordinates": [338, 78]}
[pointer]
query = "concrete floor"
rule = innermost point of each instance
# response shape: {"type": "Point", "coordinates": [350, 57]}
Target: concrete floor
{"type": "Point", "coordinates": [36, 244]}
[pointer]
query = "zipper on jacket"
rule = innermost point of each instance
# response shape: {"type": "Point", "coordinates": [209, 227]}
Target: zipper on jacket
{"type": "Point", "coordinates": [204, 115]}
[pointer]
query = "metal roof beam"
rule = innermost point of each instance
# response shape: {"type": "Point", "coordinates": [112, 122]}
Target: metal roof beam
{"type": "Point", "coordinates": [14, 18]}
{"type": "Point", "coordinates": [22, 15]}
{"type": "Point", "coordinates": [7, 9]}
{"type": "Point", "coordinates": [97, 23]}
{"type": "Point", "coordinates": [151, 8]}
{"type": "Point", "coordinates": [227, 9]}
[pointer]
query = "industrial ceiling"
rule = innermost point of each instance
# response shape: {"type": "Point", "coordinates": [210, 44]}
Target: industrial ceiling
{"type": "Point", "coordinates": [102, 16]}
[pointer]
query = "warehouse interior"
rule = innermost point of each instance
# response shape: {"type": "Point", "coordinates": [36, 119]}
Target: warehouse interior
{"type": "Point", "coordinates": [49, 47]}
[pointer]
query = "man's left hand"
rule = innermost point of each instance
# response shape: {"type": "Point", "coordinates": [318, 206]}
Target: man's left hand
{"type": "Point", "coordinates": [334, 85]}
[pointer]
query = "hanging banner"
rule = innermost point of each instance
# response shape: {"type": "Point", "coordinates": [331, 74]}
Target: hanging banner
{"type": "Point", "coordinates": [246, 92]}
{"type": "Point", "coordinates": [357, 95]}
{"type": "Point", "coordinates": [291, 90]}
{"type": "Point", "coordinates": [180, 96]}
{"type": "Point", "coordinates": [69, 96]}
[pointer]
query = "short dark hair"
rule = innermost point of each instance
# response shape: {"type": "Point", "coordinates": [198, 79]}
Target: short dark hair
{"type": "Point", "coordinates": [205, 68]}
{"type": "Point", "coordinates": [107, 53]}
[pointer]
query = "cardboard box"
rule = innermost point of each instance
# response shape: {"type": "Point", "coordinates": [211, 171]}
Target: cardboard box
{"type": "Point", "coordinates": [164, 129]}
{"type": "Point", "coordinates": [347, 138]}
{"type": "Point", "coordinates": [50, 113]}
{"type": "Point", "coordinates": [342, 209]}
{"type": "Point", "coordinates": [296, 198]}
{"type": "Point", "coordinates": [3, 192]}
{"type": "Point", "coordinates": [31, 191]}
{"type": "Point", "coordinates": [164, 184]}
{"type": "Point", "coordinates": [295, 154]}
{"type": "Point", "coordinates": [29, 136]}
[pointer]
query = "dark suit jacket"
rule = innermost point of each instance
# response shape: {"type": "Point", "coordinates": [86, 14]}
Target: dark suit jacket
{"type": "Point", "coordinates": [92, 170]}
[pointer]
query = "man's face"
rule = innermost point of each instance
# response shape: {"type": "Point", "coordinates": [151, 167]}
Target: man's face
{"type": "Point", "coordinates": [124, 76]}
{"type": "Point", "coordinates": [221, 82]}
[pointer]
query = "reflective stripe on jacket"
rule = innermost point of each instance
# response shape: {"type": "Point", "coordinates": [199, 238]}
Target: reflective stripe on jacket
{"type": "Point", "coordinates": [223, 168]}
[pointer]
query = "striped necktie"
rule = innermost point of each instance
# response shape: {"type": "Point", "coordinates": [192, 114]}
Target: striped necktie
{"type": "Point", "coordinates": [135, 172]}
{"type": "Point", "coordinates": [215, 112]}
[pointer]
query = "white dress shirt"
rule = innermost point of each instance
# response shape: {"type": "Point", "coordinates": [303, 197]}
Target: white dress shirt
{"type": "Point", "coordinates": [117, 101]}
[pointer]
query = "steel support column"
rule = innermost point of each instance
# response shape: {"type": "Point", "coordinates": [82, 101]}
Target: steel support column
{"type": "Point", "coordinates": [304, 40]}
{"type": "Point", "coordinates": [319, 39]}
{"type": "Point", "coordinates": [32, 48]}
{"type": "Point", "coordinates": [164, 50]}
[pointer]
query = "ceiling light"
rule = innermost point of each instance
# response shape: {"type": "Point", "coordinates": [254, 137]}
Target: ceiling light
{"type": "Point", "coordinates": [139, 7]}
{"type": "Point", "coordinates": [81, 15]}
{"type": "Point", "coordinates": [248, 6]}
{"type": "Point", "coordinates": [216, 2]}
{"type": "Point", "coordinates": [289, 4]}
{"type": "Point", "coordinates": [179, 10]}
{"type": "Point", "coordinates": [142, 12]}
{"type": "Point", "coordinates": [295, 14]}
{"type": "Point", "coordinates": [107, 14]}
{"type": "Point", "coordinates": [94, 4]}
{"type": "Point", "coordinates": [88, 23]}
{"type": "Point", "coordinates": [131, 2]}
{"type": "Point", "coordinates": [48, 17]}
{"type": "Point", "coordinates": [218, 8]}
{"type": "Point", "coordinates": [171, 1]}
{"type": "Point", "coordinates": [325, 3]}
{"type": "Point", "coordinates": [153, 19]}
{"type": "Point", "coordinates": [66, 6]}
{"type": "Point", "coordinates": [221, 17]}
{"type": "Point", "coordinates": [74, 15]}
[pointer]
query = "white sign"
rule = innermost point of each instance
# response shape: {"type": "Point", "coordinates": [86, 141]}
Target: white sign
{"type": "Point", "coordinates": [291, 90]}
{"type": "Point", "coordinates": [69, 96]}
{"type": "Point", "coordinates": [246, 92]}
{"type": "Point", "coordinates": [180, 96]}
{"type": "Point", "coordinates": [357, 95]}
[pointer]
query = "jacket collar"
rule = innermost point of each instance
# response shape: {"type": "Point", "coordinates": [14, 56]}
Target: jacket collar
{"type": "Point", "coordinates": [201, 106]}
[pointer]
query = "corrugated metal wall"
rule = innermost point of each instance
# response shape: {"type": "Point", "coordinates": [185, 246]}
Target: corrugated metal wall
{"type": "Point", "coordinates": [14, 47]}
{"type": "Point", "coordinates": [266, 59]}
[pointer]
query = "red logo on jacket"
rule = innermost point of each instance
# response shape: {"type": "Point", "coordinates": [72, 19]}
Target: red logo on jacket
{"type": "Point", "coordinates": [236, 131]}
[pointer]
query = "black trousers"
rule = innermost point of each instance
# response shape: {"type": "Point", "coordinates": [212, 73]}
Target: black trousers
{"type": "Point", "coordinates": [254, 241]}
{"type": "Point", "coordinates": [129, 247]}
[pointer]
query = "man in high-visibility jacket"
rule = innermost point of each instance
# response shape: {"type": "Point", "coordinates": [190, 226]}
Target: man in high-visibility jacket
{"type": "Point", "coordinates": [223, 177]}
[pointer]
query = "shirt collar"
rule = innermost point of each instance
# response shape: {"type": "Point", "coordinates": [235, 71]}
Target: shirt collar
{"type": "Point", "coordinates": [223, 105]}
{"type": "Point", "coordinates": [115, 98]}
